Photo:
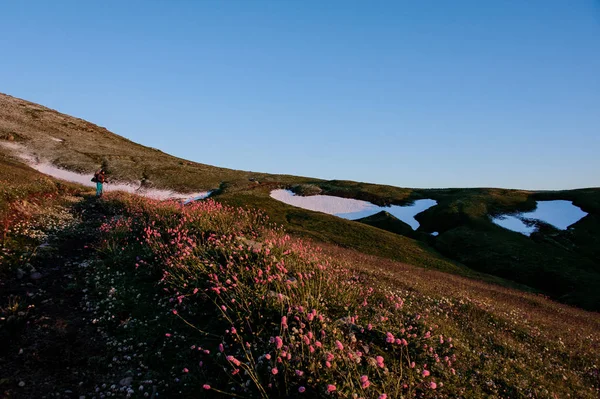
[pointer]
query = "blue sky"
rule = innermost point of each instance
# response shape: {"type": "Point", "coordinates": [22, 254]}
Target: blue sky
{"type": "Point", "coordinates": [407, 93]}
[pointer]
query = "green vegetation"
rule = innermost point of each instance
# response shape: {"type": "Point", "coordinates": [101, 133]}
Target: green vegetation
{"type": "Point", "coordinates": [211, 300]}
{"type": "Point", "coordinates": [386, 221]}
{"type": "Point", "coordinates": [562, 264]}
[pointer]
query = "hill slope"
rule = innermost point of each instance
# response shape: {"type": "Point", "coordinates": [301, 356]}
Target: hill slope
{"type": "Point", "coordinates": [563, 264]}
{"type": "Point", "coordinates": [127, 296]}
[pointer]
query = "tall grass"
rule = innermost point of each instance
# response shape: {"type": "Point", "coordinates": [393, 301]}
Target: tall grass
{"type": "Point", "coordinates": [286, 320]}
{"type": "Point", "coordinates": [257, 313]}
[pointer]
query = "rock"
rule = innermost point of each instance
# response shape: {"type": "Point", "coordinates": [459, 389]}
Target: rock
{"type": "Point", "coordinates": [22, 384]}
{"type": "Point", "coordinates": [254, 245]}
{"type": "Point", "coordinates": [278, 295]}
{"type": "Point", "coordinates": [125, 382]}
{"type": "Point", "coordinates": [291, 280]}
{"type": "Point", "coordinates": [35, 275]}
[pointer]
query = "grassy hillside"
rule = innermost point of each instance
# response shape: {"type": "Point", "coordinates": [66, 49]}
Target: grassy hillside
{"type": "Point", "coordinates": [79, 145]}
{"type": "Point", "coordinates": [142, 297]}
{"type": "Point", "coordinates": [128, 296]}
{"type": "Point", "coordinates": [562, 264]}
{"type": "Point", "coordinates": [386, 221]}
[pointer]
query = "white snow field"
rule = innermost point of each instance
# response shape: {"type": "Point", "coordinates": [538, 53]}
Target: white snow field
{"type": "Point", "coordinates": [85, 179]}
{"type": "Point", "coordinates": [352, 209]}
{"type": "Point", "coordinates": [559, 213]}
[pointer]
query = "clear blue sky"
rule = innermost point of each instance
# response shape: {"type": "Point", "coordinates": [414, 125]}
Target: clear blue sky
{"type": "Point", "coordinates": [407, 93]}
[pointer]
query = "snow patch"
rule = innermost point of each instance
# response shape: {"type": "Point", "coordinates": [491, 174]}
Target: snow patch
{"type": "Point", "coordinates": [57, 140]}
{"type": "Point", "coordinates": [352, 209]}
{"type": "Point", "coordinates": [559, 213]}
{"type": "Point", "coordinates": [85, 179]}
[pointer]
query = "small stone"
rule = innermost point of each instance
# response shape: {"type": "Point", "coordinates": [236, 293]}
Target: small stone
{"type": "Point", "coordinates": [22, 384]}
{"type": "Point", "coordinates": [35, 275]}
{"type": "Point", "coordinates": [125, 382]}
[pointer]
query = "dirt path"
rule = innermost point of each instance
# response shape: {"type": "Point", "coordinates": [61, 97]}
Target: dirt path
{"type": "Point", "coordinates": [48, 347]}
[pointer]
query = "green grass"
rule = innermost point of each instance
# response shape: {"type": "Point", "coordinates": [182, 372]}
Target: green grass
{"type": "Point", "coordinates": [502, 338]}
{"type": "Point", "coordinates": [563, 264]}
{"type": "Point", "coordinates": [498, 340]}
{"type": "Point", "coordinates": [386, 221]}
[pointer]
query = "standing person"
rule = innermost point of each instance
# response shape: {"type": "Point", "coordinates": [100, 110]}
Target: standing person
{"type": "Point", "coordinates": [100, 179]}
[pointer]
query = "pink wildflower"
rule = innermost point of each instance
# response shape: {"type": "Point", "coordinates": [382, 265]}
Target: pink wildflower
{"type": "Point", "coordinates": [185, 370]}
{"type": "Point", "coordinates": [233, 360]}
{"type": "Point", "coordinates": [425, 373]}
{"type": "Point", "coordinates": [278, 342]}
{"type": "Point", "coordinates": [274, 371]}
{"type": "Point", "coordinates": [382, 396]}
{"type": "Point", "coordinates": [331, 388]}
{"type": "Point", "coordinates": [339, 345]}
{"type": "Point", "coordinates": [206, 386]}
{"type": "Point", "coordinates": [364, 381]}
{"type": "Point", "coordinates": [432, 385]}
{"type": "Point", "coordinates": [301, 389]}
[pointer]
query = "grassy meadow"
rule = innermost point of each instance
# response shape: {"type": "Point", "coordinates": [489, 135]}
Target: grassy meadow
{"type": "Point", "coordinates": [562, 264]}
{"type": "Point", "coordinates": [214, 300]}
{"type": "Point", "coordinates": [244, 296]}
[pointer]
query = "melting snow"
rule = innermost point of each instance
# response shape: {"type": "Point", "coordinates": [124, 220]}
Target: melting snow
{"type": "Point", "coordinates": [86, 179]}
{"type": "Point", "coordinates": [352, 209]}
{"type": "Point", "coordinates": [560, 214]}
{"type": "Point", "coordinates": [435, 233]}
